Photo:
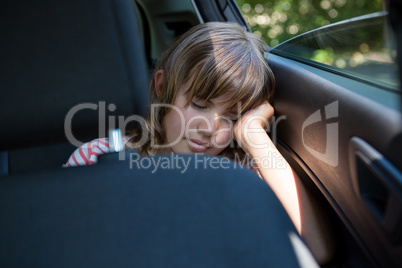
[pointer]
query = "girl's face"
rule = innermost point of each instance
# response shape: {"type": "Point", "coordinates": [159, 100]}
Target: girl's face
{"type": "Point", "coordinates": [201, 127]}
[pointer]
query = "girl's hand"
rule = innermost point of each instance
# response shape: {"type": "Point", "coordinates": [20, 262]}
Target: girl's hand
{"type": "Point", "coordinates": [252, 124]}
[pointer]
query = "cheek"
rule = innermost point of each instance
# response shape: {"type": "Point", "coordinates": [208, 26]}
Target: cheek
{"type": "Point", "coordinates": [223, 137]}
{"type": "Point", "coordinates": [173, 125]}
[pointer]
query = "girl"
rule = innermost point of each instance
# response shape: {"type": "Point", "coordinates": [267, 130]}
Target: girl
{"type": "Point", "coordinates": [209, 94]}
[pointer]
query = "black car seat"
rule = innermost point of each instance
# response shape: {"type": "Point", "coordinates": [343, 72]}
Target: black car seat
{"type": "Point", "coordinates": [132, 214]}
{"type": "Point", "coordinates": [61, 57]}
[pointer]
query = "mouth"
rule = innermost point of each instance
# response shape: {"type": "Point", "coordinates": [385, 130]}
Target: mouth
{"type": "Point", "coordinates": [198, 145]}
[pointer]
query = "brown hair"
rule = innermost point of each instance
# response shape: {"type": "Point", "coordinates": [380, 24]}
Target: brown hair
{"type": "Point", "coordinates": [222, 59]}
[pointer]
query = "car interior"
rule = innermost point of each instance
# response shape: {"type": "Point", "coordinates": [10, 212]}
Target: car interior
{"type": "Point", "coordinates": [82, 65]}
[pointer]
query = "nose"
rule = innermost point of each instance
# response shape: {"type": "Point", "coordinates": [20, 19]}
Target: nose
{"type": "Point", "coordinates": [211, 123]}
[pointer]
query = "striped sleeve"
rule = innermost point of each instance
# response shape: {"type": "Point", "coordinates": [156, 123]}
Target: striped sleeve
{"type": "Point", "coordinates": [88, 153]}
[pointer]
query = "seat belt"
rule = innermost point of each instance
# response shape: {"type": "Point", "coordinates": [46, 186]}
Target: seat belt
{"type": "Point", "coordinates": [3, 163]}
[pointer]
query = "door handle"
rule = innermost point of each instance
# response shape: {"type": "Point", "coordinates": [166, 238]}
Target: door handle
{"type": "Point", "coordinates": [378, 183]}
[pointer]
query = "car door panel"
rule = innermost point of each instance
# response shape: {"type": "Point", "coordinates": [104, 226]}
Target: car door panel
{"type": "Point", "coordinates": [322, 115]}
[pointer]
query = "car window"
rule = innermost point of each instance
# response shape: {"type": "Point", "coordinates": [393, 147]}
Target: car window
{"type": "Point", "coordinates": [361, 48]}
{"type": "Point", "coordinates": [279, 20]}
{"type": "Point", "coordinates": [349, 37]}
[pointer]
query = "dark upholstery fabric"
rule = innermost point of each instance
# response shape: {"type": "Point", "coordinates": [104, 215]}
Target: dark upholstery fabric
{"type": "Point", "coordinates": [111, 215]}
{"type": "Point", "coordinates": [58, 54]}
{"type": "Point", "coordinates": [39, 158]}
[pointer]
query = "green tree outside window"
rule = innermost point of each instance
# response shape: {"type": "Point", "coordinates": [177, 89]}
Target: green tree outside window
{"type": "Point", "coordinates": [279, 20]}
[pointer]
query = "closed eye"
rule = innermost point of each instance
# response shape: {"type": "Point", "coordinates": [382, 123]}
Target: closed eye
{"type": "Point", "coordinates": [198, 106]}
{"type": "Point", "coordinates": [232, 118]}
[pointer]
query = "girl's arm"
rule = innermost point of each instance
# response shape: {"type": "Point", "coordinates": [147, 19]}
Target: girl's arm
{"type": "Point", "coordinates": [307, 216]}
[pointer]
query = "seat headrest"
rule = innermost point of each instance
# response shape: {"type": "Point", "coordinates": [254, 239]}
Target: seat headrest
{"type": "Point", "coordinates": [57, 55]}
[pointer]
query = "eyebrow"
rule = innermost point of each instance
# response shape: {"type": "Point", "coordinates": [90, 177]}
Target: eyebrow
{"type": "Point", "coordinates": [232, 111]}
{"type": "Point", "coordinates": [211, 102]}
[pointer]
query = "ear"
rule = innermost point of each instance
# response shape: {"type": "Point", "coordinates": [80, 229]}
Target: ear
{"type": "Point", "coordinates": [159, 79]}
